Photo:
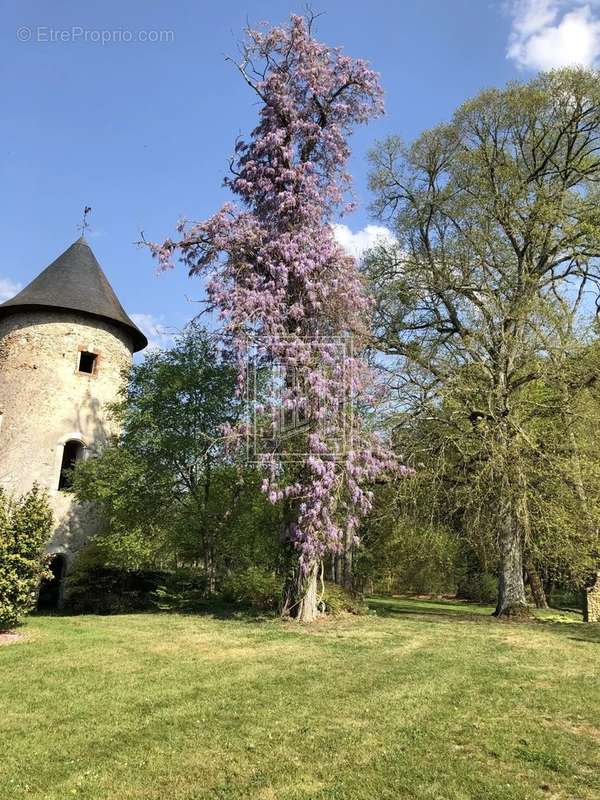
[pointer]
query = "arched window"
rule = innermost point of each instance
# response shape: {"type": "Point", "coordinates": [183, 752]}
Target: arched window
{"type": "Point", "coordinates": [72, 452]}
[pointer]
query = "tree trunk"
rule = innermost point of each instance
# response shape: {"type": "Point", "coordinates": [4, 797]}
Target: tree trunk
{"type": "Point", "coordinates": [512, 603]}
{"type": "Point", "coordinates": [209, 568]}
{"type": "Point", "coordinates": [300, 599]}
{"type": "Point", "coordinates": [511, 589]}
{"type": "Point", "coordinates": [536, 586]}
{"type": "Point", "coordinates": [512, 490]}
{"type": "Point", "coordinates": [549, 586]}
{"type": "Point", "coordinates": [348, 582]}
{"type": "Point", "coordinates": [307, 610]}
{"type": "Point", "coordinates": [513, 516]}
{"type": "Point", "coordinates": [332, 565]}
{"type": "Point", "coordinates": [339, 568]}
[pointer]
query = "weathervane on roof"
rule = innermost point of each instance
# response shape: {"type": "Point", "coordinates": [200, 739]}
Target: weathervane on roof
{"type": "Point", "coordinates": [84, 223]}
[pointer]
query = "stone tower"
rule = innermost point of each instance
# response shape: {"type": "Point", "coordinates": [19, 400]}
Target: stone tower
{"type": "Point", "coordinates": [65, 342]}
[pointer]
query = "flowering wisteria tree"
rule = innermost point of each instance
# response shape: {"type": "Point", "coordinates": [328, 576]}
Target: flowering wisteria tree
{"type": "Point", "coordinates": [278, 277]}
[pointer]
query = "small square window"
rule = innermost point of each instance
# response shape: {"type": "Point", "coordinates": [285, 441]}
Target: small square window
{"type": "Point", "coordinates": [87, 362]}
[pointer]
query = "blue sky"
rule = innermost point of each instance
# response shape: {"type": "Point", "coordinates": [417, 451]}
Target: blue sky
{"type": "Point", "coordinates": [142, 130]}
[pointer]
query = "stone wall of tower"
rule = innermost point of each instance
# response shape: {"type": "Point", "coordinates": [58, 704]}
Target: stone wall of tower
{"type": "Point", "coordinates": [591, 609]}
{"type": "Point", "coordinates": [45, 401]}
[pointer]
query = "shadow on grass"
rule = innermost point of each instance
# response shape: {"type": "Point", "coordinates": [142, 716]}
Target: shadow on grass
{"type": "Point", "coordinates": [442, 609]}
{"type": "Point", "coordinates": [464, 611]}
{"type": "Point", "coordinates": [587, 633]}
{"type": "Point", "coordinates": [430, 611]}
{"type": "Point", "coordinates": [216, 610]}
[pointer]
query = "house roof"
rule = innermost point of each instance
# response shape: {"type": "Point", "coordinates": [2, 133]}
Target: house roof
{"type": "Point", "coordinates": [75, 282]}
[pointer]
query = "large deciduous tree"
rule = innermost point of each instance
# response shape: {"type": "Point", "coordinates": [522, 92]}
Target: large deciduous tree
{"type": "Point", "coordinates": [497, 217]}
{"type": "Point", "coordinates": [277, 276]}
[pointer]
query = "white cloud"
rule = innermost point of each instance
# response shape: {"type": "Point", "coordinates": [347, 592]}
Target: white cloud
{"type": "Point", "coordinates": [356, 244]}
{"type": "Point", "coordinates": [158, 335]}
{"type": "Point", "coordinates": [8, 289]}
{"type": "Point", "coordinates": [554, 33]}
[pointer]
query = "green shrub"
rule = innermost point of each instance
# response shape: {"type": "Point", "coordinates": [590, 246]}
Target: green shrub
{"type": "Point", "coordinates": [565, 597]}
{"type": "Point", "coordinates": [255, 587]}
{"type": "Point", "coordinates": [184, 591]}
{"type": "Point", "coordinates": [479, 587]}
{"type": "Point", "coordinates": [338, 600]}
{"type": "Point", "coordinates": [94, 588]}
{"type": "Point", "coordinates": [25, 528]}
{"type": "Point", "coordinates": [398, 555]}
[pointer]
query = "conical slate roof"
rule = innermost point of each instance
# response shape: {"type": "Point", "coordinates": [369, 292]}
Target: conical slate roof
{"type": "Point", "coordinates": [75, 282]}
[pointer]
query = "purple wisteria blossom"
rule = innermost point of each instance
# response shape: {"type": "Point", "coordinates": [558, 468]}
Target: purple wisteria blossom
{"type": "Point", "coordinates": [276, 274]}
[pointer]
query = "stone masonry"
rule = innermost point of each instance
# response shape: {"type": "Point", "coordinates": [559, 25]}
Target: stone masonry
{"type": "Point", "coordinates": [592, 601]}
{"type": "Point", "coordinates": [45, 402]}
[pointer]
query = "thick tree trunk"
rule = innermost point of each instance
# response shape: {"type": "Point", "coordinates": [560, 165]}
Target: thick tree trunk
{"type": "Point", "coordinates": [536, 586]}
{"type": "Point", "coordinates": [512, 603]}
{"type": "Point", "coordinates": [511, 588]}
{"type": "Point", "coordinates": [512, 490]}
{"type": "Point", "coordinates": [301, 595]}
{"type": "Point", "coordinates": [307, 610]}
{"type": "Point", "coordinates": [513, 517]}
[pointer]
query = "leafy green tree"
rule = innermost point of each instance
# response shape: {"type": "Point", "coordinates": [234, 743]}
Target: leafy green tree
{"type": "Point", "coordinates": [453, 487]}
{"type": "Point", "coordinates": [563, 472]}
{"type": "Point", "coordinates": [404, 552]}
{"type": "Point", "coordinates": [169, 491]}
{"type": "Point", "coordinates": [25, 528]}
{"type": "Point", "coordinates": [497, 217]}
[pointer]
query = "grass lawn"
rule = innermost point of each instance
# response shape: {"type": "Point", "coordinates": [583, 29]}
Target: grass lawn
{"type": "Point", "coordinates": [418, 700]}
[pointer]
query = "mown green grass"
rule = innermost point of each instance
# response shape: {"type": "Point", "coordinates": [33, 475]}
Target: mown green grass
{"type": "Point", "coordinates": [420, 700]}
